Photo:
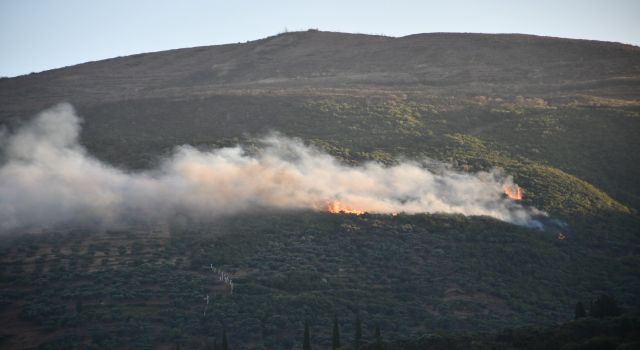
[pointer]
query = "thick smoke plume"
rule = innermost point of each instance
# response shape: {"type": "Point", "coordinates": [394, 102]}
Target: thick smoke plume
{"type": "Point", "coordinates": [47, 178]}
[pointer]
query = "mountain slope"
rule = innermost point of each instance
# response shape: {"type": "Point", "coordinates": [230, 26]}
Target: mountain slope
{"type": "Point", "coordinates": [439, 62]}
{"type": "Point", "coordinates": [140, 106]}
{"type": "Point", "coordinates": [562, 116]}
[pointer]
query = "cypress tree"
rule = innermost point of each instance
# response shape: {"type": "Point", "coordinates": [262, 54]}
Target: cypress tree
{"type": "Point", "coordinates": [378, 337]}
{"type": "Point", "coordinates": [336, 333]}
{"type": "Point", "coordinates": [306, 343]}
{"type": "Point", "coordinates": [580, 311]}
{"type": "Point", "coordinates": [604, 306]}
{"type": "Point", "coordinates": [358, 335]}
{"type": "Point", "coordinates": [225, 344]}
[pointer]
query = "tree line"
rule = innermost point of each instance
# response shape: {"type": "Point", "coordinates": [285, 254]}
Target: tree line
{"type": "Point", "coordinates": [603, 306]}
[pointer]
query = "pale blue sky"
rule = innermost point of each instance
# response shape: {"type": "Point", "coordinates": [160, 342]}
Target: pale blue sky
{"type": "Point", "coordinates": [37, 35]}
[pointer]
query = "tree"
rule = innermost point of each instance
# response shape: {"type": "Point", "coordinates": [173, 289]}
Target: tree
{"type": "Point", "coordinates": [358, 336]}
{"type": "Point", "coordinates": [306, 343]}
{"type": "Point", "coordinates": [378, 337]}
{"type": "Point", "coordinates": [211, 344]}
{"type": "Point", "coordinates": [580, 312]}
{"type": "Point", "coordinates": [336, 333]}
{"type": "Point", "coordinates": [604, 306]}
{"type": "Point", "coordinates": [225, 344]}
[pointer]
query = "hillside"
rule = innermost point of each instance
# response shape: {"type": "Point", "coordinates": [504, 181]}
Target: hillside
{"type": "Point", "coordinates": [569, 103]}
{"type": "Point", "coordinates": [407, 274]}
{"type": "Point", "coordinates": [561, 116]}
{"type": "Point", "coordinates": [442, 63]}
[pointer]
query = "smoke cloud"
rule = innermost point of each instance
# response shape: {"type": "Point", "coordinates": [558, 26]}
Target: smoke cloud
{"type": "Point", "coordinates": [47, 179]}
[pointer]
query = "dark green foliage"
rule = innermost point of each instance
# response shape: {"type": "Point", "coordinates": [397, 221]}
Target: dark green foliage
{"type": "Point", "coordinates": [431, 271]}
{"type": "Point", "coordinates": [604, 306]}
{"type": "Point", "coordinates": [211, 344]}
{"type": "Point", "coordinates": [357, 338]}
{"type": "Point", "coordinates": [335, 337]}
{"type": "Point", "coordinates": [306, 341]}
{"type": "Point", "coordinates": [290, 266]}
{"type": "Point", "coordinates": [225, 342]}
{"type": "Point", "coordinates": [583, 334]}
{"type": "Point", "coordinates": [580, 311]}
{"type": "Point", "coordinates": [378, 339]}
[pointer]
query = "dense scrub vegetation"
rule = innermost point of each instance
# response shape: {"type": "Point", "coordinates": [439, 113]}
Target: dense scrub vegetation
{"type": "Point", "coordinates": [572, 159]}
{"type": "Point", "coordinates": [145, 287]}
{"type": "Point", "coordinates": [405, 274]}
{"type": "Point", "coordinates": [620, 333]}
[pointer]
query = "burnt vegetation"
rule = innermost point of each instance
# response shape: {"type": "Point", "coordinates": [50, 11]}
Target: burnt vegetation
{"type": "Point", "coordinates": [561, 116]}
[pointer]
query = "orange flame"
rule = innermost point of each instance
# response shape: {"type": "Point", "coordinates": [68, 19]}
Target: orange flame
{"type": "Point", "coordinates": [561, 236]}
{"type": "Point", "coordinates": [514, 192]}
{"type": "Point", "coordinates": [337, 207]}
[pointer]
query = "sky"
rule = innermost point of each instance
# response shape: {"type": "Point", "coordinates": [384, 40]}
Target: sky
{"type": "Point", "coordinates": [37, 35]}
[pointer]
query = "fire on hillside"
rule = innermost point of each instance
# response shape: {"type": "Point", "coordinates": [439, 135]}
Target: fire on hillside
{"type": "Point", "coordinates": [336, 207]}
{"type": "Point", "coordinates": [514, 192]}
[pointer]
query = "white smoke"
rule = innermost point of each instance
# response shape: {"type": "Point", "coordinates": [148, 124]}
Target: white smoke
{"type": "Point", "coordinates": [47, 178]}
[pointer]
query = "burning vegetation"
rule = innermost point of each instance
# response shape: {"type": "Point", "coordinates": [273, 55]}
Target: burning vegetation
{"type": "Point", "coordinates": [281, 173]}
{"type": "Point", "coordinates": [514, 192]}
{"type": "Point", "coordinates": [336, 207]}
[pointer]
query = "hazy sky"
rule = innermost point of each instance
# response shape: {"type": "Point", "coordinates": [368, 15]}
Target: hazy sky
{"type": "Point", "coordinates": [37, 35]}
